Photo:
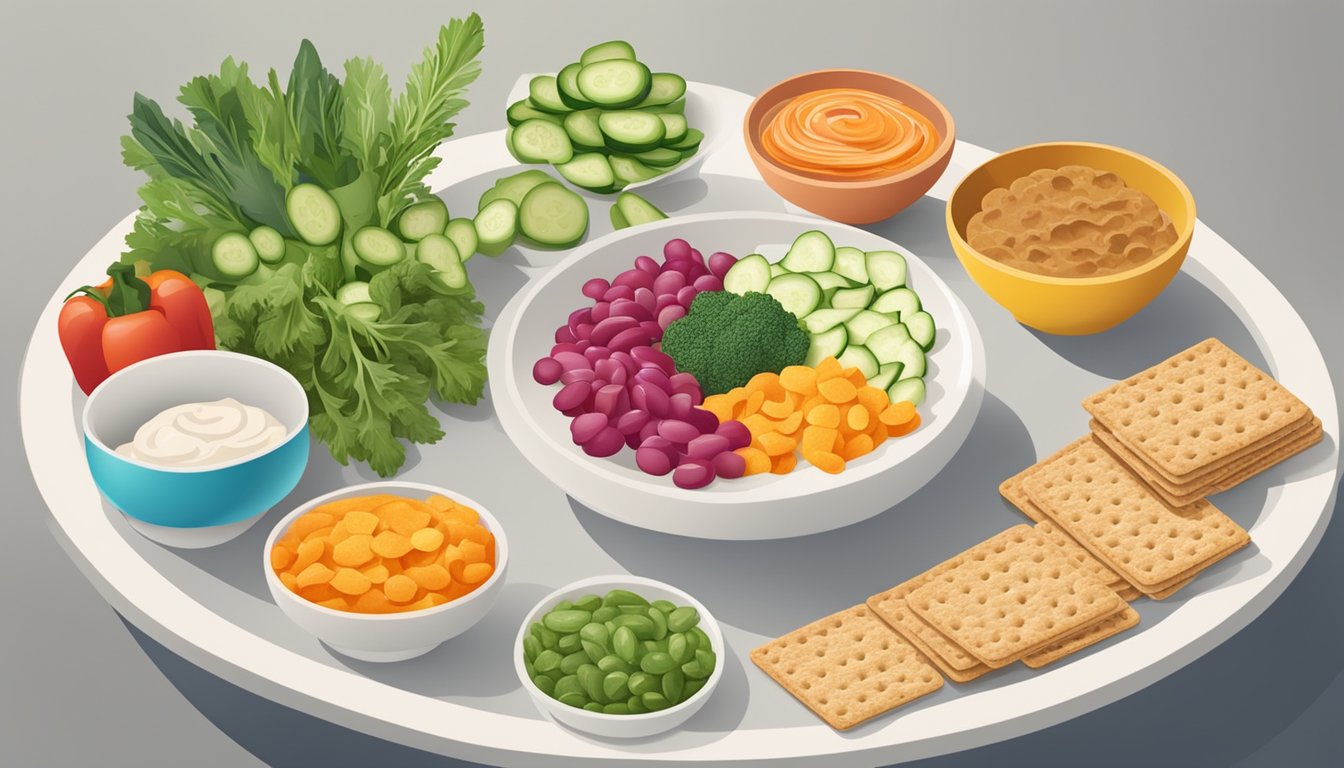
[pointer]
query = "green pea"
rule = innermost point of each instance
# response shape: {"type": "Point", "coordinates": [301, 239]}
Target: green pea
{"type": "Point", "coordinates": [567, 620]}
{"type": "Point", "coordinates": [641, 683]}
{"type": "Point", "coordinates": [694, 671]}
{"type": "Point", "coordinates": [549, 639]}
{"type": "Point", "coordinates": [642, 626]}
{"type": "Point", "coordinates": [657, 663]}
{"type": "Point", "coordinates": [593, 706]}
{"type": "Point", "coordinates": [632, 610]}
{"type": "Point", "coordinates": [545, 684]}
{"type": "Point", "coordinates": [574, 699]}
{"type": "Point", "coordinates": [673, 684]}
{"type": "Point", "coordinates": [588, 603]}
{"type": "Point", "coordinates": [655, 701]}
{"type": "Point", "coordinates": [701, 639]}
{"type": "Point", "coordinates": [679, 648]}
{"type": "Point", "coordinates": [659, 623]}
{"type": "Point", "coordinates": [692, 687]}
{"type": "Point", "coordinates": [531, 670]}
{"type": "Point", "coordinates": [616, 708]}
{"type": "Point", "coordinates": [554, 674]}
{"type": "Point", "coordinates": [635, 706]}
{"type": "Point", "coordinates": [612, 663]}
{"type": "Point", "coordinates": [648, 646]}
{"type": "Point", "coordinates": [610, 625]}
{"type": "Point", "coordinates": [594, 651]}
{"type": "Point", "coordinates": [660, 645]}
{"type": "Point", "coordinates": [623, 597]}
{"type": "Point", "coordinates": [707, 660]}
{"type": "Point", "coordinates": [623, 643]}
{"type": "Point", "coordinates": [590, 677]}
{"type": "Point", "coordinates": [665, 606]}
{"type": "Point", "coordinates": [614, 686]}
{"type": "Point", "coordinates": [531, 647]}
{"type": "Point", "coordinates": [683, 619]}
{"type": "Point", "coordinates": [567, 685]}
{"type": "Point", "coordinates": [692, 640]}
{"type": "Point", "coordinates": [546, 661]}
{"type": "Point", "coordinates": [535, 630]}
{"type": "Point", "coordinates": [568, 644]}
{"type": "Point", "coordinates": [594, 632]}
{"type": "Point", "coordinates": [571, 663]}
{"type": "Point", "coordinates": [606, 613]}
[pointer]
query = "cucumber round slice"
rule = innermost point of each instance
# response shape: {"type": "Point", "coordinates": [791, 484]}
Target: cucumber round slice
{"type": "Point", "coordinates": [513, 188]}
{"type": "Point", "coordinates": [824, 320]}
{"type": "Point", "coordinates": [886, 269]}
{"type": "Point", "coordinates": [831, 343]}
{"type": "Point", "coordinates": [553, 217]}
{"type": "Point", "coordinates": [422, 218]}
{"type": "Point", "coordinates": [664, 88]}
{"type": "Point", "coordinates": [812, 252]}
{"type": "Point", "coordinates": [778, 269]}
{"type": "Point", "coordinates": [907, 391]}
{"type": "Point", "coordinates": [544, 93]}
{"type": "Point", "coordinates": [850, 262]}
{"type": "Point", "coordinates": [612, 49]}
{"type": "Point", "coordinates": [661, 157]}
{"type": "Point", "coordinates": [674, 127]}
{"type": "Point", "coordinates": [798, 294]}
{"type": "Point", "coordinates": [614, 83]}
{"type": "Point", "coordinates": [887, 374]}
{"type": "Point", "coordinates": [865, 323]}
{"type": "Point", "coordinates": [378, 247]}
{"type": "Point", "coordinates": [911, 356]}
{"type": "Point", "coordinates": [567, 84]}
{"type": "Point", "coordinates": [630, 131]}
{"type": "Point", "coordinates": [853, 298]}
{"type": "Point", "coordinates": [921, 328]}
{"type": "Point", "coordinates": [635, 210]}
{"type": "Point", "coordinates": [583, 131]}
{"type": "Point", "coordinates": [522, 110]}
{"type": "Point", "coordinates": [902, 301]}
{"type": "Point", "coordinates": [366, 311]}
{"type": "Point", "coordinates": [463, 234]}
{"type": "Point", "coordinates": [690, 142]}
{"type": "Point", "coordinates": [885, 343]}
{"type": "Point", "coordinates": [355, 292]}
{"type": "Point", "coordinates": [234, 256]}
{"type": "Point", "coordinates": [438, 253]}
{"type": "Point", "coordinates": [314, 214]}
{"type": "Point", "coordinates": [628, 170]}
{"type": "Point", "coordinates": [269, 243]}
{"type": "Point", "coordinates": [590, 171]}
{"type": "Point", "coordinates": [618, 220]}
{"type": "Point", "coordinates": [858, 356]}
{"type": "Point", "coordinates": [541, 141]}
{"type": "Point", "coordinates": [749, 275]}
{"type": "Point", "coordinates": [496, 226]}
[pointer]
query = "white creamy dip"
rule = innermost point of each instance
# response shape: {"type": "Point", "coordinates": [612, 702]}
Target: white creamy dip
{"type": "Point", "coordinates": [199, 434]}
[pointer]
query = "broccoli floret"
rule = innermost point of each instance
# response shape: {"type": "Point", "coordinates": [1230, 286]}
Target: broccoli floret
{"type": "Point", "coordinates": [725, 339]}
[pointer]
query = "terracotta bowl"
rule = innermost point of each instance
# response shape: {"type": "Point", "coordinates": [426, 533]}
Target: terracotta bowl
{"type": "Point", "coordinates": [850, 201]}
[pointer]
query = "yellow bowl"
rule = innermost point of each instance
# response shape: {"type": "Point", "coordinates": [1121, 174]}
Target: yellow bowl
{"type": "Point", "coordinates": [1072, 306]}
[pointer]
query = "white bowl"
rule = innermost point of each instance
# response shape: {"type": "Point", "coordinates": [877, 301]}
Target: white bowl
{"type": "Point", "coordinates": [392, 636]}
{"type": "Point", "coordinates": [763, 506]}
{"type": "Point", "coordinates": [621, 726]}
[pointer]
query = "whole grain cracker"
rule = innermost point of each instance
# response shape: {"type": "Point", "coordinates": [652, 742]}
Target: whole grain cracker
{"type": "Point", "coordinates": [1195, 408]}
{"type": "Point", "coordinates": [1081, 557]}
{"type": "Point", "coordinates": [848, 667]}
{"type": "Point", "coordinates": [1128, 592]}
{"type": "Point", "coordinates": [1011, 594]}
{"type": "Point", "coordinates": [1011, 489]}
{"type": "Point", "coordinates": [952, 659]}
{"type": "Point", "coordinates": [1091, 495]}
{"type": "Point", "coordinates": [1108, 627]}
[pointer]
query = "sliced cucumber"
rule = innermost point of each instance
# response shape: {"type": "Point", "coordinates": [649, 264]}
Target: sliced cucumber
{"type": "Point", "coordinates": [612, 49]}
{"type": "Point", "coordinates": [858, 356]}
{"type": "Point", "coordinates": [677, 107]}
{"type": "Point", "coordinates": [614, 83]}
{"type": "Point", "coordinates": [921, 328]}
{"type": "Point", "coordinates": [661, 157]}
{"type": "Point", "coordinates": [590, 170]}
{"type": "Point", "coordinates": [853, 298]}
{"type": "Point", "coordinates": [567, 84]}
{"type": "Point", "coordinates": [674, 127]}
{"type": "Point", "coordinates": [365, 311]}
{"type": "Point", "coordinates": [583, 131]}
{"type": "Point", "coordinates": [378, 247]}
{"type": "Point", "coordinates": [496, 226]}
{"type": "Point", "coordinates": [355, 292]}
{"type": "Point", "coordinates": [749, 275]}
{"type": "Point", "coordinates": [269, 243]}
{"type": "Point", "coordinates": [690, 142]}
{"type": "Point", "coordinates": [314, 214]}
{"type": "Point", "coordinates": [885, 343]}
{"type": "Point", "coordinates": [798, 294]}
{"type": "Point", "coordinates": [541, 141]}
{"type": "Point", "coordinates": [907, 391]}
{"type": "Point", "coordinates": [522, 110]}
{"type": "Point", "coordinates": [664, 88]}
{"type": "Point", "coordinates": [463, 234]}
{"type": "Point", "coordinates": [552, 216]}
{"type": "Point", "coordinates": [911, 358]}
{"type": "Point", "coordinates": [826, 344]}
{"type": "Point", "coordinates": [886, 269]}
{"type": "Point", "coordinates": [635, 210]}
{"type": "Point", "coordinates": [811, 252]}
{"type": "Point", "coordinates": [439, 253]}
{"type": "Point", "coordinates": [618, 221]}
{"type": "Point", "coordinates": [778, 269]}
{"type": "Point", "coordinates": [628, 170]}
{"type": "Point", "coordinates": [850, 262]}
{"type": "Point", "coordinates": [514, 188]}
{"type": "Point", "coordinates": [886, 375]}
{"type": "Point", "coordinates": [824, 320]}
{"type": "Point", "coordinates": [544, 94]}
{"type": "Point", "coordinates": [234, 256]}
{"type": "Point", "coordinates": [630, 131]}
{"type": "Point", "coordinates": [898, 300]}
{"type": "Point", "coordinates": [864, 323]}
{"type": "Point", "coordinates": [423, 218]}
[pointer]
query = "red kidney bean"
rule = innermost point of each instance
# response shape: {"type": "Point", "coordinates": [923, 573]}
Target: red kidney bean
{"type": "Point", "coordinates": [630, 308]}
{"type": "Point", "coordinates": [619, 376]}
{"type": "Point", "coordinates": [677, 431]}
{"type": "Point", "coordinates": [627, 362]}
{"type": "Point", "coordinates": [634, 279]}
{"type": "Point", "coordinates": [653, 461]}
{"type": "Point", "coordinates": [649, 397]}
{"type": "Point", "coordinates": [669, 315]}
{"type": "Point", "coordinates": [618, 292]}
{"type": "Point", "coordinates": [605, 368]}
{"type": "Point", "coordinates": [697, 257]}
{"type": "Point", "coordinates": [669, 282]}
{"type": "Point", "coordinates": [547, 370]}
{"type": "Point", "coordinates": [645, 298]}
{"type": "Point", "coordinates": [684, 382]}
{"type": "Point", "coordinates": [680, 406]}
{"type": "Point", "coordinates": [646, 264]}
{"type": "Point", "coordinates": [605, 443]}
{"type": "Point", "coordinates": [686, 295]}
{"type": "Point", "coordinates": [649, 430]}
{"type": "Point", "coordinates": [632, 421]}
{"type": "Point", "coordinates": [573, 395]}
{"type": "Point", "coordinates": [583, 330]}
{"type": "Point", "coordinates": [595, 287]}
{"type": "Point", "coordinates": [573, 360]}
{"type": "Point", "coordinates": [648, 356]}
{"type": "Point", "coordinates": [676, 249]}
{"type": "Point", "coordinates": [596, 352]}
{"type": "Point", "coordinates": [630, 337]}
{"type": "Point", "coordinates": [601, 311]}
{"type": "Point", "coordinates": [632, 441]}
{"type": "Point", "coordinates": [737, 433]}
{"type": "Point", "coordinates": [693, 473]}
{"type": "Point", "coordinates": [568, 346]}
{"type": "Point", "coordinates": [606, 330]}
{"type": "Point", "coordinates": [659, 442]}
{"type": "Point", "coordinates": [729, 465]}
{"type": "Point", "coordinates": [580, 315]}
{"type": "Point", "coordinates": [704, 421]}
{"type": "Point", "coordinates": [564, 336]}
{"type": "Point", "coordinates": [655, 377]}
{"type": "Point", "coordinates": [706, 446]}
{"type": "Point", "coordinates": [720, 263]}
{"type": "Point", "coordinates": [612, 400]}
{"type": "Point", "coordinates": [585, 427]}
{"type": "Point", "coordinates": [663, 301]}
{"type": "Point", "coordinates": [652, 329]}
{"type": "Point", "coordinates": [577, 374]}
{"type": "Point", "coordinates": [706, 283]}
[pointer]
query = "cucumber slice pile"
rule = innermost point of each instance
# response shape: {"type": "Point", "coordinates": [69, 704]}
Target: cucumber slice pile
{"type": "Point", "coordinates": [531, 205]}
{"type": "Point", "coordinates": [604, 121]}
{"type": "Point", "coordinates": [855, 305]}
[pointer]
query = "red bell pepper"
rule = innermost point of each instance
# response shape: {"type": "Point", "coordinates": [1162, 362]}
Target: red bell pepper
{"type": "Point", "coordinates": [128, 319]}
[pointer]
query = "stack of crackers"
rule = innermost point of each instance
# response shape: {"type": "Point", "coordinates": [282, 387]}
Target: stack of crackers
{"type": "Point", "coordinates": [1118, 514]}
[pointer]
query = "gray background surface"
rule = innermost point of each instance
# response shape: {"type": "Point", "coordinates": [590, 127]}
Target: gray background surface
{"type": "Point", "coordinates": [1240, 99]}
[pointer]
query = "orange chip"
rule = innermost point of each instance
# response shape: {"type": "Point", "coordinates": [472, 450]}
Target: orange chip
{"type": "Point", "coordinates": [340, 507]}
{"type": "Point", "coordinates": [309, 522]}
{"type": "Point", "coordinates": [348, 581]}
{"type": "Point", "coordinates": [897, 414]}
{"type": "Point", "coordinates": [427, 540]}
{"type": "Point", "coordinates": [316, 573]}
{"type": "Point", "coordinates": [461, 515]}
{"type": "Point", "coordinates": [433, 576]}
{"type": "Point", "coordinates": [775, 444]}
{"type": "Point", "coordinates": [339, 532]}
{"type": "Point", "coordinates": [390, 544]}
{"type": "Point", "coordinates": [752, 405]}
{"type": "Point", "coordinates": [757, 460]}
{"type": "Point", "coordinates": [828, 368]}
{"type": "Point", "coordinates": [335, 603]}
{"type": "Point", "coordinates": [873, 399]}
{"type": "Point", "coordinates": [320, 592]}
{"type": "Point", "coordinates": [758, 424]}
{"type": "Point", "coordinates": [477, 572]}
{"type": "Point", "coordinates": [857, 418]}
{"type": "Point", "coordinates": [825, 415]}
{"type": "Point", "coordinates": [376, 573]}
{"type": "Point", "coordinates": [825, 461]}
{"type": "Point", "coordinates": [354, 551]}
{"type": "Point", "coordinates": [358, 521]}
{"type": "Point", "coordinates": [472, 551]}
{"type": "Point", "coordinates": [856, 446]}
{"type": "Point", "coordinates": [291, 583]}
{"type": "Point", "coordinates": [281, 557]}
{"type": "Point", "coordinates": [720, 405]}
{"type": "Point", "coordinates": [904, 429]}
{"type": "Point", "coordinates": [320, 534]}
{"type": "Point", "coordinates": [439, 503]}
{"type": "Point", "coordinates": [856, 377]}
{"type": "Point", "coordinates": [878, 432]}
{"type": "Point", "coordinates": [477, 533]}
{"type": "Point", "coordinates": [374, 601]}
{"type": "Point", "coordinates": [309, 552]}
{"type": "Point", "coordinates": [784, 464]}
{"type": "Point", "coordinates": [799, 379]}
{"type": "Point", "coordinates": [768, 383]}
{"type": "Point", "coordinates": [431, 600]}
{"type": "Point", "coordinates": [404, 516]}
{"type": "Point", "coordinates": [400, 588]}
{"type": "Point", "coordinates": [790, 424]}
{"type": "Point", "coordinates": [817, 439]}
{"type": "Point", "coordinates": [777, 409]}
{"type": "Point", "coordinates": [837, 390]}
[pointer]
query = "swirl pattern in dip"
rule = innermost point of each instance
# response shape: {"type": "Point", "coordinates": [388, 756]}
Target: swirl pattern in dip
{"type": "Point", "coordinates": [201, 434]}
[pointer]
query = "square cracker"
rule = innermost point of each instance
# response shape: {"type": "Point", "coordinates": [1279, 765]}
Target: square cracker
{"type": "Point", "coordinates": [953, 660]}
{"type": "Point", "coordinates": [1010, 595]}
{"type": "Point", "coordinates": [1108, 627]}
{"type": "Point", "coordinates": [1011, 489]}
{"type": "Point", "coordinates": [1195, 408]}
{"type": "Point", "coordinates": [848, 667]}
{"type": "Point", "coordinates": [1111, 512]}
{"type": "Point", "coordinates": [1081, 557]}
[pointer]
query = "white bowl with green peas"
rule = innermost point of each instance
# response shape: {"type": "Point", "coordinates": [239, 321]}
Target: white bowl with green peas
{"type": "Point", "coordinates": [675, 664]}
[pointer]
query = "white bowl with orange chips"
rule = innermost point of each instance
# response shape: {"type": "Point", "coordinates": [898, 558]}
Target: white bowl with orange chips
{"type": "Point", "coordinates": [404, 535]}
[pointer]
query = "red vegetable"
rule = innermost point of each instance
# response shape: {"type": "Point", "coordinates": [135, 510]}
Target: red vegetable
{"type": "Point", "coordinates": [128, 319]}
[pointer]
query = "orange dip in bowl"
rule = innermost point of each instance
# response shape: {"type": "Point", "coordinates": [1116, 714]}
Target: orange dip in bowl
{"type": "Point", "coordinates": [848, 133]}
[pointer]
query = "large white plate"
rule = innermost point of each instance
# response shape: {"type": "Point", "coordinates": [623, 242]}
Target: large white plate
{"type": "Point", "coordinates": [761, 506]}
{"type": "Point", "coordinates": [212, 608]}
